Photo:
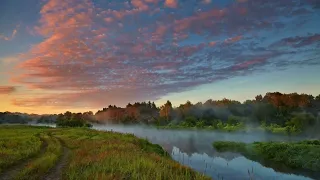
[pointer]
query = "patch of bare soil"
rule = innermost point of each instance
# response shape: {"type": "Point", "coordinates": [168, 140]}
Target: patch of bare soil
{"type": "Point", "coordinates": [55, 173]}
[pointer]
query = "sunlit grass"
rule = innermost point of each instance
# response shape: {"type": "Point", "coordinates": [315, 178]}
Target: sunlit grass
{"type": "Point", "coordinates": [41, 165]}
{"type": "Point", "coordinates": [101, 155]}
{"type": "Point", "coordinates": [95, 155]}
{"type": "Point", "coordinates": [17, 143]}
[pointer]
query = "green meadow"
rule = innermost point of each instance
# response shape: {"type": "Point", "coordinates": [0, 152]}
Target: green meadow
{"type": "Point", "coordinates": [80, 153]}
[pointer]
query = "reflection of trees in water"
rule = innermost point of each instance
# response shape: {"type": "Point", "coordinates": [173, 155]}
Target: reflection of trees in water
{"type": "Point", "coordinates": [229, 156]}
{"type": "Point", "coordinates": [190, 147]}
{"type": "Point", "coordinates": [168, 147]}
{"type": "Point", "coordinates": [279, 167]}
{"type": "Point", "coordinates": [211, 153]}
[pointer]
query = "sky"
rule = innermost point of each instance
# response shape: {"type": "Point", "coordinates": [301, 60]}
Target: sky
{"type": "Point", "coordinates": [82, 55]}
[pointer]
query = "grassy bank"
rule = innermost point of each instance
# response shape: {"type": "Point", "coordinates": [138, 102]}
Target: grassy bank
{"type": "Point", "coordinates": [304, 154]}
{"type": "Point", "coordinates": [92, 155]}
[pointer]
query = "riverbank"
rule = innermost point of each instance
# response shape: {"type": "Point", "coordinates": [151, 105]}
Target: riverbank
{"type": "Point", "coordinates": [81, 153]}
{"type": "Point", "coordinates": [303, 154]}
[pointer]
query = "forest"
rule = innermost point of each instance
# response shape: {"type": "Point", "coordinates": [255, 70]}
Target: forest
{"type": "Point", "coordinates": [274, 112]}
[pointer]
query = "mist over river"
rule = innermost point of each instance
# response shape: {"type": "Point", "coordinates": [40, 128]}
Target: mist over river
{"type": "Point", "coordinates": [193, 148]}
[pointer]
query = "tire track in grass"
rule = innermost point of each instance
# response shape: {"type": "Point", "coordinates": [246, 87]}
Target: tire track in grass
{"type": "Point", "coordinates": [56, 172]}
{"type": "Point", "coordinates": [10, 172]}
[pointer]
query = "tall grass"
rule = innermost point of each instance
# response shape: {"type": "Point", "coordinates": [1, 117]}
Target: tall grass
{"type": "Point", "coordinates": [108, 155]}
{"type": "Point", "coordinates": [41, 165]}
{"type": "Point", "coordinates": [17, 143]}
{"type": "Point", "coordinates": [94, 155]}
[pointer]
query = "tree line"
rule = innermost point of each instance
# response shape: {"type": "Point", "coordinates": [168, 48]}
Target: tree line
{"type": "Point", "coordinates": [275, 112]}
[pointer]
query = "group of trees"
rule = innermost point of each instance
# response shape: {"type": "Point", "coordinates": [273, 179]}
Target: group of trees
{"type": "Point", "coordinates": [69, 119]}
{"type": "Point", "coordinates": [290, 113]}
{"type": "Point", "coordinates": [139, 112]}
{"type": "Point", "coordinates": [14, 118]}
{"type": "Point", "coordinates": [47, 119]}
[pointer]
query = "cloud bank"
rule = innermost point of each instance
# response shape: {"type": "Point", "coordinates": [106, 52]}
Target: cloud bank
{"type": "Point", "coordinates": [97, 52]}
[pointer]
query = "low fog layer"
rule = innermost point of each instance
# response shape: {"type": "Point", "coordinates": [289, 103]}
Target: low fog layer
{"type": "Point", "coordinates": [290, 114]}
{"type": "Point", "coordinates": [192, 141]}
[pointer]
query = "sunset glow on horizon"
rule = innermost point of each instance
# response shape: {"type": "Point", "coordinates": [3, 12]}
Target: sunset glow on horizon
{"type": "Point", "coordinates": [82, 55]}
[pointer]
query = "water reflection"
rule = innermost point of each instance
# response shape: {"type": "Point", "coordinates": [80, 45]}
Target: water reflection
{"type": "Point", "coordinates": [194, 149]}
{"type": "Point", "coordinates": [237, 168]}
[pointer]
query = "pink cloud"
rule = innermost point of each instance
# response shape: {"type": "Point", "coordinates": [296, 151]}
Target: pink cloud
{"type": "Point", "coordinates": [233, 39]}
{"type": "Point", "coordinates": [7, 89]}
{"type": "Point", "coordinates": [206, 1]}
{"type": "Point", "coordinates": [140, 4]}
{"type": "Point", "coordinates": [108, 19]}
{"type": "Point", "coordinates": [171, 3]}
{"type": "Point", "coordinates": [246, 64]}
{"type": "Point", "coordinates": [212, 43]}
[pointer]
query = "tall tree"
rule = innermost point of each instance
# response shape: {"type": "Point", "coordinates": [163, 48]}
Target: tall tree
{"type": "Point", "coordinates": [166, 110]}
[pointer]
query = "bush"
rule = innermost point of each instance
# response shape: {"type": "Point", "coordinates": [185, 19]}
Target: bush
{"type": "Point", "coordinates": [72, 120]}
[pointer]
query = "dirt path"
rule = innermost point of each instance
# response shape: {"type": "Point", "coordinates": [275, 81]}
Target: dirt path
{"type": "Point", "coordinates": [9, 173]}
{"type": "Point", "coordinates": [55, 173]}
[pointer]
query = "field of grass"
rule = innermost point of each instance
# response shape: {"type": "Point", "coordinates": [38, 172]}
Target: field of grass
{"type": "Point", "coordinates": [18, 143]}
{"type": "Point", "coordinates": [41, 165]}
{"type": "Point", "coordinates": [303, 154]}
{"type": "Point", "coordinates": [92, 155]}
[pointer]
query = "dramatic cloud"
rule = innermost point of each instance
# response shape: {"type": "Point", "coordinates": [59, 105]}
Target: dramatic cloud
{"type": "Point", "coordinates": [112, 53]}
{"type": "Point", "coordinates": [171, 3]}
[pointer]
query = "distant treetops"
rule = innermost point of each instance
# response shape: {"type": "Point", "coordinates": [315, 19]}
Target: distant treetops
{"type": "Point", "coordinates": [69, 119]}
